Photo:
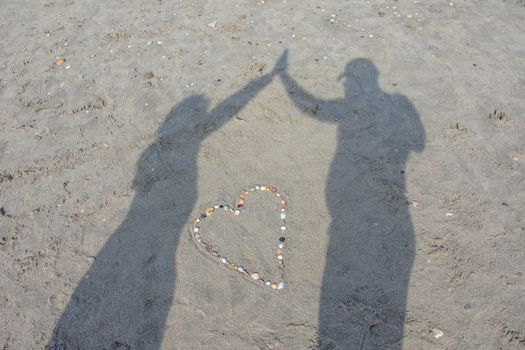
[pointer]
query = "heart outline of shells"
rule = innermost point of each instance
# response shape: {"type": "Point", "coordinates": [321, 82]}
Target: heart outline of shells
{"type": "Point", "coordinates": [208, 250]}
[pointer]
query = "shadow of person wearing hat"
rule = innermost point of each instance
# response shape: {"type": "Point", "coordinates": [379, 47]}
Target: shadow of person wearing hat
{"type": "Point", "coordinates": [124, 298]}
{"type": "Point", "coordinates": [371, 238]}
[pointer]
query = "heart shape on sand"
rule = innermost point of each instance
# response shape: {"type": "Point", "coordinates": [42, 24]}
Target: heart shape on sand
{"type": "Point", "coordinates": [207, 249]}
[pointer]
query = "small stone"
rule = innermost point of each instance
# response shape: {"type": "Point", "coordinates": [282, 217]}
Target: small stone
{"type": "Point", "coordinates": [197, 221]}
{"type": "Point", "coordinates": [280, 251]}
{"type": "Point", "coordinates": [282, 239]}
{"type": "Point", "coordinates": [240, 269]}
{"type": "Point", "coordinates": [224, 260]}
{"type": "Point", "coordinates": [236, 212]}
{"type": "Point", "coordinates": [257, 187]}
{"type": "Point", "coordinates": [148, 75]}
{"type": "Point", "coordinates": [283, 228]}
{"type": "Point", "coordinates": [280, 285]}
{"type": "Point", "coordinates": [281, 245]}
{"type": "Point", "coordinates": [274, 189]}
{"type": "Point", "coordinates": [208, 247]}
{"type": "Point", "coordinates": [280, 257]}
{"type": "Point", "coordinates": [515, 158]}
{"type": "Point", "coordinates": [255, 276]}
{"type": "Point", "coordinates": [60, 61]}
{"type": "Point", "coordinates": [274, 285]}
{"type": "Point", "coordinates": [226, 207]}
{"type": "Point", "coordinates": [268, 283]}
{"type": "Point", "coordinates": [196, 229]}
{"type": "Point", "coordinates": [283, 216]}
{"type": "Point", "coordinates": [209, 211]}
{"type": "Point", "coordinates": [263, 188]}
{"type": "Point", "coordinates": [241, 201]}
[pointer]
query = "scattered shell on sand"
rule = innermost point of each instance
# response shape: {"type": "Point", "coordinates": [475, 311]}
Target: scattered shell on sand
{"type": "Point", "coordinates": [437, 333]}
{"type": "Point", "coordinates": [60, 61]}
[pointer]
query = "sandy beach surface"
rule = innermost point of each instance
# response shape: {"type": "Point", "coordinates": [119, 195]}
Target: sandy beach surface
{"type": "Point", "coordinates": [394, 129]}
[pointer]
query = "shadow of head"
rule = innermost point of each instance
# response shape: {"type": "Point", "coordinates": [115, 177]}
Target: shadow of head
{"type": "Point", "coordinates": [185, 118]}
{"type": "Point", "coordinates": [360, 75]}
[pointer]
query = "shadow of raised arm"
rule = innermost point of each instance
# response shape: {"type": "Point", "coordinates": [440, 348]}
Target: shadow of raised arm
{"type": "Point", "coordinates": [305, 101]}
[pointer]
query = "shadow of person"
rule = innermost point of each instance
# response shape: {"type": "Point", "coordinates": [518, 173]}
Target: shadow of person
{"type": "Point", "coordinates": [123, 300]}
{"type": "Point", "coordinates": [371, 238]}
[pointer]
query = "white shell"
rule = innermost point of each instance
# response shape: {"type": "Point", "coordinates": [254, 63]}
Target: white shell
{"type": "Point", "coordinates": [280, 257]}
{"type": "Point", "coordinates": [283, 215]}
{"type": "Point", "coordinates": [224, 260]}
{"type": "Point", "coordinates": [281, 245]}
{"type": "Point", "coordinates": [263, 188]}
{"type": "Point", "coordinates": [196, 229]}
{"type": "Point", "coordinates": [280, 285]}
{"type": "Point", "coordinates": [240, 269]}
{"type": "Point", "coordinates": [283, 228]}
{"type": "Point", "coordinates": [268, 283]}
{"type": "Point", "coordinates": [255, 276]}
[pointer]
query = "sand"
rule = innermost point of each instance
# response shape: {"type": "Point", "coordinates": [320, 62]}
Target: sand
{"type": "Point", "coordinates": [395, 130]}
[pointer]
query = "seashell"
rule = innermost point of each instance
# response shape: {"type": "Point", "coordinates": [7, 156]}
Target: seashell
{"type": "Point", "coordinates": [280, 257]}
{"type": "Point", "coordinates": [224, 260]}
{"type": "Point", "coordinates": [257, 187]}
{"type": "Point", "coordinates": [215, 253]}
{"type": "Point", "coordinates": [209, 211]}
{"type": "Point", "coordinates": [263, 188]}
{"type": "Point", "coordinates": [196, 229]}
{"type": "Point", "coordinates": [226, 207]}
{"type": "Point", "coordinates": [240, 269]}
{"type": "Point", "coordinates": [236, 212]}
{"type": "Point", "coordinates": [197, 221]}
{"type": "Point", "coordinates": [437, 333]}
{"type": "Point", "coordinates": [255, 276]}
{"type": "Point", "coordinates": [216, 206]}
{"type": "Point", "coordinates": [241, 201]}
{"type": "Point", "coordinates": [283, 227]}
{"type": "Point", "coordinates": [281, 245]}
{"type": "Point", "coordinates": [274, 189]}
{"type": "Point", "coordinates": [199, 240]}
{"type": "Point", "coordinates": [274, 285]}
{"type": "Point", "coordinates": [60, 61]}
{"type": "Point", "coordinates": [280, 285]}
{"type": "Point", "coordinates": [280, 251]}
{"type": "Point", "coordinates": [283, 216]}
{"type": "Point", "coordinates": [268, 283]}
